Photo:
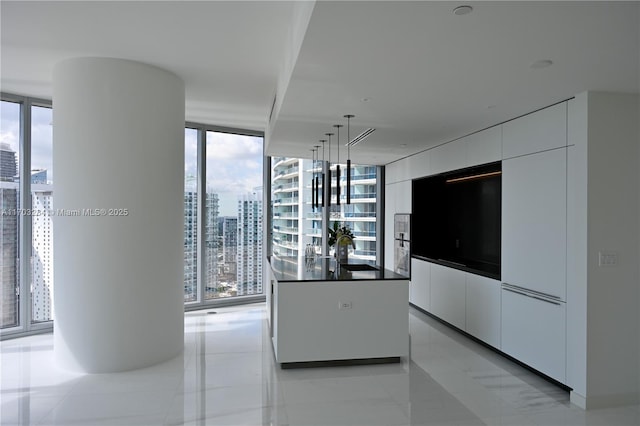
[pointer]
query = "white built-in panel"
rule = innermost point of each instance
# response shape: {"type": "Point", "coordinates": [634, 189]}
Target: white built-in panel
{"type": "Point", "coordinates": [484, 147]}
{"type": "Point", "coordinates": [397, 171]}
{"type": "Point", "coordinates": [419, 165]}
{"type": "Point", "coordinates": [448, 157]}
{"type": "Point", "coordinates": [534, 332]}
{"type": "Point", "coordinates": [534, 222]}
{"type": "Point", "coordinates": [420, 285]}
{"type": "Point", "coordinates": [390, 210]}
{"type": "Point", "coordinates": [403, 196]}
{"type": "Point", "coordinates": [483, 309]}
{"type": "Point", "coordinates": [538, 131]}
{"type": "Point", "coordinates": [448, 293]}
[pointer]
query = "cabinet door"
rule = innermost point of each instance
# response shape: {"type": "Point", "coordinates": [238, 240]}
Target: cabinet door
{"type": "Point", "coordinates": [420, 284]}
{"type": "Point", "coordinates": [448, 293]}
{"type": "Point", "coordinates": [539, 131]}
{"type": "Point", "coordinates": [483, 309]}
{"type": "Point", "coordinates": [534, 222]}
{"type": "Point", "coordinates": [533, 331]}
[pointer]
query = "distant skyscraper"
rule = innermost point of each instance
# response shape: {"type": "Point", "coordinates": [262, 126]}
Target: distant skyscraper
{"type": "Point", "coordinates": [9, 239]}
{"type": "Point", "coordinates": [250, 248]}
{"type": "Point", "coordinates": [42, 237]}
{"type": "Point", "coordinates": [228, 230]}
{"type": "Point", "coordinates": [191, 241]}
{"type": "Point", "coordinates": [9, 258]}
{"type": "Point", "coordinates": [8, 165]}
{"type": "Point", "coordinates": [190, 245]}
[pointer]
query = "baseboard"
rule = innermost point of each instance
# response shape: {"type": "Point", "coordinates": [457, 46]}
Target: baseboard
{"type": "Point", "coordinates": [604, 401]}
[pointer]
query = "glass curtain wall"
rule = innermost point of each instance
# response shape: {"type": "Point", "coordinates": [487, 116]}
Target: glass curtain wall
{"type": "Point", "coordinates": [223, 215]}
{"type": "Point", "coordinates": [41, 223]}
{"type": "Point", "coordinates": [26, 167]}
{"type": "Point", "coordinates": [9, 198]}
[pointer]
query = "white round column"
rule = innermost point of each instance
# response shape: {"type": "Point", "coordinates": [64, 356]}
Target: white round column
{"type": "Point", "coordinates": [118, 151]}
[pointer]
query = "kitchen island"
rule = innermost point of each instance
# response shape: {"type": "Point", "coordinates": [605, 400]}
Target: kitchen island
{"type": "Point", "coordinates": [321, 314]}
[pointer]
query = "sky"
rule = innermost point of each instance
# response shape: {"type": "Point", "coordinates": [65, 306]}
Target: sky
{"type": "Point", "coordinates": [41, 134]}
{"type": "Point", "coordinates": [233, 163]}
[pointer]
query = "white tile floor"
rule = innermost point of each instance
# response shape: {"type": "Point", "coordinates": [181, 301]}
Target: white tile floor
{"type": "Point", "coordinates": [227, 376]}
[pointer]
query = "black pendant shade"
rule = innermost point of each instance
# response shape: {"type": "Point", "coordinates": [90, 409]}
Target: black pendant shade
{"type": "Point", "coordinates": [349, 117]}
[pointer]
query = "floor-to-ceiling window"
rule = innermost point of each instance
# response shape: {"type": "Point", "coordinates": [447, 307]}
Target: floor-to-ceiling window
{"type": "Point", "coordinates": [222, 223]}
{"type": "Point", "coordinates": [9, 167]}
{"type": "Point", "coordinates": [26, 197]}
{"type": "Point", "coordinates": [41, 222]}
{"type": "Point", "coordinates": [223, 214]}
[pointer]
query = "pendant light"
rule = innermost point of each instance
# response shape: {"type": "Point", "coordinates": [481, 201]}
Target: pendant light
{"type": "Point", "coordinates": [324, 178]}
{"type": "Point", "coordinates": [349, 117]}
{"type": "Point", "coordinates": [337, 173]}
{"type": "Point", "coordinates": [337, 126]}
{"type": "Point", "coordinates": [322, 175]}
{"type": "Point", "coordinates": [315, 175]}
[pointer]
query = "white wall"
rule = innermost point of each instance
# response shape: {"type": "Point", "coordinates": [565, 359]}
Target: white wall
{"type": "Point", "coordinates": [613, 223]}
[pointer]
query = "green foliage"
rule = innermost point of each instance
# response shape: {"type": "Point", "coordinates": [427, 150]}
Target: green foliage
{"type": "Point", "coordinates": [336, 231]}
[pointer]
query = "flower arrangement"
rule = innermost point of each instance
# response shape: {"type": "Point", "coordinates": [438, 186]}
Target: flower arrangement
{"type": "Point", "coordinates": [342, 234]}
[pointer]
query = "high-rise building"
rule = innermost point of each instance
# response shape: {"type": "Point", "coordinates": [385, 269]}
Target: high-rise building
{"type": "Point", "coordinates": [191, 241]}
{"type": "Point", "coordinates": [9, 257]}
{"type": "Point", "coordinates": [296, 223]}
{"type": "Point", "coordinates": [9, 274]}
{"type": "Point", "coordinates": [228, 231]}
{"type": "Point", "coordinates": [42, 254]}
{"type": "Point", "coordinates": [8, 165]}
{"type": "Point", "coordinates": [190, 245]}
{"type": "Point", "coordinates": [250, 249]}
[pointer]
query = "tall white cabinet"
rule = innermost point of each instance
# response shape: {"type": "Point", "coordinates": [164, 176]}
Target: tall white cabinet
{"type": "Point", "coordinates": [534, 241]}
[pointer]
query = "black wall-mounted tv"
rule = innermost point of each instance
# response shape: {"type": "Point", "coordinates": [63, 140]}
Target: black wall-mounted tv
{"type": "Point", "coordinates": [456, 219]}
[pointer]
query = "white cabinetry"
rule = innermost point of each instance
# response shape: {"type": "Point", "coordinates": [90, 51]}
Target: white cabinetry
{"type": "Point", "coordinates": [534, 332]}
{"type": "Point", "coordinates": [484, 147]}
{"type": "Point", "coordinates": [534, 222]}
{"type": "Point", "coordinates": [483, 309]}
{"type": "Point", "coordinates": [540, 131]}
{"type": "Point", "coordinates": [420, 287]}
{"type": "Point", "coordinates": [448, 294]}
{"type": "Point", "coordinates": [447, 157]}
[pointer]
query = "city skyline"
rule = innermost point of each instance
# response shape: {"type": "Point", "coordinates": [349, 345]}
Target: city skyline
{"type": "Point", "coordinates": [234, 165]}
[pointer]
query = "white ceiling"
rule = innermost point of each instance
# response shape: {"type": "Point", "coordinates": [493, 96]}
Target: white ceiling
{"type": "Point", "coordinates": [431, 76]}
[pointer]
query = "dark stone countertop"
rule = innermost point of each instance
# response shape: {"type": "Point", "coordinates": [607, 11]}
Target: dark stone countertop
{"type": "Point", "coordinates": [294, 269]}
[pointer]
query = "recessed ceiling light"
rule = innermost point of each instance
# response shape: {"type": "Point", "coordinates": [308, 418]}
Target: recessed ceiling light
{"type": "Point", "coordinates": [542, 63]}
{"type": "Point", "coordinates": [462, 10]}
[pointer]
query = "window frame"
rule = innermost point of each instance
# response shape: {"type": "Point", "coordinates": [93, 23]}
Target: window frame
{"type": "Point", "coordinates": [201, 302]}
{"type": "Point", "coordinates": [25, 325]}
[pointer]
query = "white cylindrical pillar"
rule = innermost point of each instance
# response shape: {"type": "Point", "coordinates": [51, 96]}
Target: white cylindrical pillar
{"type": "Point", "coordinates": [118, 150]}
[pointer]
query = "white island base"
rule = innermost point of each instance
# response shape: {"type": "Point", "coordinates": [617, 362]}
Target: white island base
{"type": "Point", "coordinates": [340, 321]}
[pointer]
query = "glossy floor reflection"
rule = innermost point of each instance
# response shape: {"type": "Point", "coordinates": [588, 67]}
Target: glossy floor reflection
{"type": "Point", "coordinates": [227, 376]}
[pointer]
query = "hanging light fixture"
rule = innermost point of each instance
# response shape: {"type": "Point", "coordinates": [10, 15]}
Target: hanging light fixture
{"type": "Point", "coordinates": [324, 177]}
{"type": "Point", "coordinates": [349, 117]}
{"type": "Point", "coordinates": [337, 126]}
{"type": "Point", "coordinates": [337, 173]}
{"type": "Point", "coordinates": [315, 175]}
